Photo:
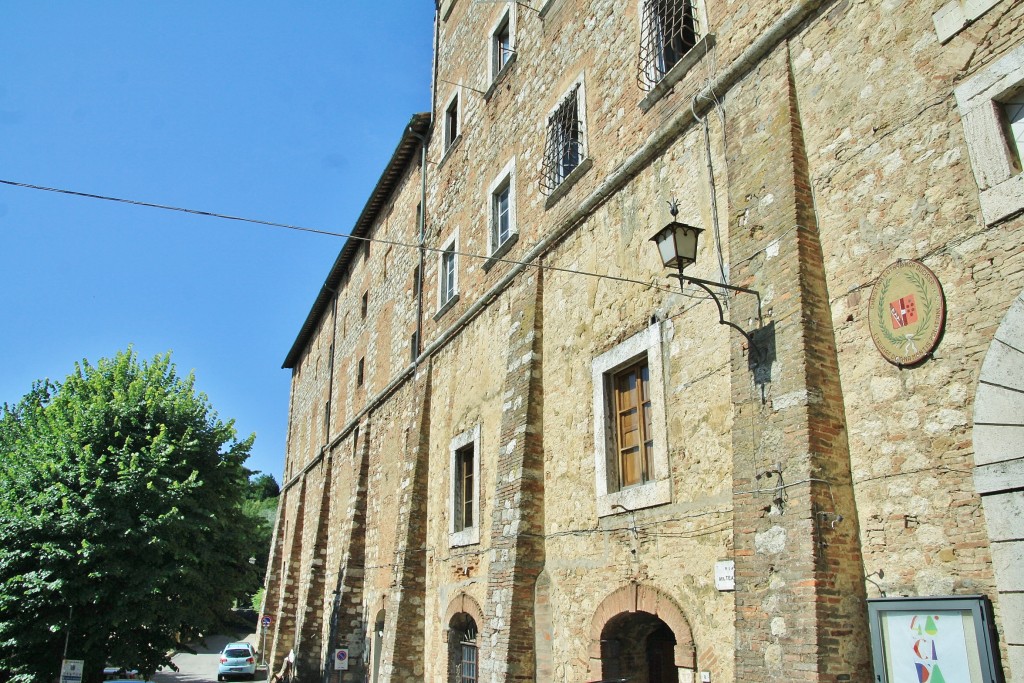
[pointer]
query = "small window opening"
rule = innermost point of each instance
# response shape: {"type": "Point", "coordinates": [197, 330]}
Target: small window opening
{"type": "Point", "coordinates": [564, 149]}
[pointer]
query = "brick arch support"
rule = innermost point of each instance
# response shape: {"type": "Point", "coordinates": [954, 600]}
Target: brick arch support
{"type": "Point", "coordinates": [635, 597]}
{"type": "Point", "coordinates": [463, 603]}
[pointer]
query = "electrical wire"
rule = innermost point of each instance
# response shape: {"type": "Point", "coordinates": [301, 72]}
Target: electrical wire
{"type": "Point", "coordinates": [329, 233]}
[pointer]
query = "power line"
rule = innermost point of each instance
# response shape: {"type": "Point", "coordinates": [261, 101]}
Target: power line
{"type": "Point", "coordinates": [329, 233]}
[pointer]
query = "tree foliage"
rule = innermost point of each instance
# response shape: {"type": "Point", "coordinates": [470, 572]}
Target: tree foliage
{"type": "Point", "coordinates": [260, 508]}
{"type": "Point", "coordinates": [121, 521]}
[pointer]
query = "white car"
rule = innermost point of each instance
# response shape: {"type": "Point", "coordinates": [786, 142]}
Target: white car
{"type": "Point", "coordinates": [237, 659]}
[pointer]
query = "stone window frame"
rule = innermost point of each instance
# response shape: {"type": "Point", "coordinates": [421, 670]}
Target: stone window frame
{"type": "Point", "coordinates": [451, 138]}
{"type": "Point", "coordinates": [658, 490]}
{"type": "Point", "coordinates": [994, 157]}
{"type": "Point", "coordinates": [495, 250]}
{"type": "Point", "coordinates": [446, 299]}
{"type": "Point", "coordinates": [506, 19]}
{"type": "Point", "coordinates": [957, 15]}
{"type": "Point", "coordinates": [471, 534]}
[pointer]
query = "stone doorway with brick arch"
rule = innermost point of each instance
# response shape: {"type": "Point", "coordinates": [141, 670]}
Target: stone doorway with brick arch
{"type": "Point", "coordinates": [463, 620]}
{"type": "Point", "coordinates": [639, 633]}
{"type": "Point", "coordinates": [999, 471]}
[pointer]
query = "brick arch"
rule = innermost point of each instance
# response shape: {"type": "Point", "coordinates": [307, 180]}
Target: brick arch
{"type": "Point", "coordinates": [636, 597]}
{"type": "Point", "coordinates": [463, 603]}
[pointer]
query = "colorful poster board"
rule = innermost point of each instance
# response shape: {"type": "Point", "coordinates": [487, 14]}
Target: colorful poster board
{"type": "Point", "coordinates": [932, 640]}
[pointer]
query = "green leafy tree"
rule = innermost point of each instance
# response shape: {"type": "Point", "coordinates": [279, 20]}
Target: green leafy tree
{"type": "Point", "coordinates": [260, 508]}
{"type": "Point", "coordinates": [120, 513]}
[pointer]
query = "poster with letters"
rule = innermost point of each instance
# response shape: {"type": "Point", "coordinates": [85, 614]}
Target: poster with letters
{"type": "Point", "coordinates": [933, 639]}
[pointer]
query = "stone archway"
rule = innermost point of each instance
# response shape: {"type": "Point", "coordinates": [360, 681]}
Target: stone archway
{"type": "Point", "coordinates": [462, 622]}
{"type": "Point", "coordinates": [641, 627]}
{"type": "Point", "coordinates": [999, 469]}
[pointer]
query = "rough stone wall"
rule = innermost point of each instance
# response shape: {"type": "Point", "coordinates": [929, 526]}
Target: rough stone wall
{"type": "Point", "coordinates": [517, 521]}
{"type": "Point", "coordinates": [805, 617]}
{"type": "Point", "coordinates": [824, 159]}
{"type": "Point", "coordinates": [404, 651]}
{"type": "Point", "coordinates": [892, 179]}
{"type": "Point", "coordinates": [467, 390]}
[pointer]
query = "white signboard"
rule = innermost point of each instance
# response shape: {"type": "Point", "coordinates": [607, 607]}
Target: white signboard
{"type": "Point", "coordinates": [71, 671]}
{"type": "Point", "coordinates": [725, 575]}
{"type": "Point", "coordinates": [341, 659]}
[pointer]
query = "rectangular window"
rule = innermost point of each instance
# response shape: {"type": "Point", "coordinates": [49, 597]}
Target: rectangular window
{"type": "Point", "coordinates": [359, 373]}
{"type": "Point", "coordinates": [414, 347]}
{"type": "Point", "coordinates": [564, 149]}
{"type": "Point", "coordinates": [501, 220]}
{"type": "Point", "coordinates": [365, 305]}
{"type": "Point", "coordinates": [451, 122]}
{"type": "Point", "coordinates": [327, 421]}
{"type": "Point", "coordinates": [501, 45]}
{"type": "Point", "coordinates": [633, 424]}
{"type": "Point", "coordinates": [448, 263]}
{"type": "Point", "coordinates": [468, 668]}
{"type": "Point", "coordinates": [464, 489]}
{"type": "Point", "coordinates": [992, 112]}
{"type": "Point", "coordinates": [416, 281]}
{"type": "Point", "coordinates": [668, 31]}
{"type": "Point", "coordinates": [630, 438]}
{"type": "Point", "coordinates": [1013, 112]}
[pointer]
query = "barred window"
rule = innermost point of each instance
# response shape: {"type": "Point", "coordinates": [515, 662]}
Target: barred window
{"type": "Point", "coordinates": [463, 649]}
{"type": "Point", "coordinates": [669, 30]}
{"type": "Point", "coordinates": [565, 148]}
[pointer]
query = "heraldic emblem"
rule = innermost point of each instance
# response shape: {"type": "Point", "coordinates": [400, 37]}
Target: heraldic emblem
{"type": "Point", "coordinates": [907, 312]}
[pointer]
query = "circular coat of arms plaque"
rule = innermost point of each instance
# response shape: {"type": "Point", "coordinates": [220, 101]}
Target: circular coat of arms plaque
{"type": "Point", "coordinates": [907, 312]}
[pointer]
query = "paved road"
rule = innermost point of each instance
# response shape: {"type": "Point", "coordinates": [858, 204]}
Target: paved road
{"type": "Point", "coordinates": [202, 666]}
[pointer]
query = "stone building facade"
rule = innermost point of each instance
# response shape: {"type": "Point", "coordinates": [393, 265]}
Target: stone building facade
{"type": "Point", "coordinates": [519, 451]}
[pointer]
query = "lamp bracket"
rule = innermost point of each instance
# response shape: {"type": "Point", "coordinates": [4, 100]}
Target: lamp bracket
{"type": "Point", "coordinates": [706, 286]}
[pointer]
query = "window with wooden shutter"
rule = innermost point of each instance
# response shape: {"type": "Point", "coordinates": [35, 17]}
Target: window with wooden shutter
{"type": "Point", "coordinates": [633, 424]}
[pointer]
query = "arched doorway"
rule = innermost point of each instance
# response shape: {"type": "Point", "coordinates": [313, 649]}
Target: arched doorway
{"type": "Point", "coordinates": [639, 647]}
{"type": "Point", "coordinates": [463, 619]}
{"type": "Point", "coordinates": [999, 461]}
{"type": "Point", "coordinates": [463, 649]}
{"type": "Point", "coordinates": [639, 633]}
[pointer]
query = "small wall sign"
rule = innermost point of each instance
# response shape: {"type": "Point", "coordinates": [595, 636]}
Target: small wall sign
{"type": "Point", "coordinates": [906, 312]}
{"type": "Point", "coordinates": [725, 575]}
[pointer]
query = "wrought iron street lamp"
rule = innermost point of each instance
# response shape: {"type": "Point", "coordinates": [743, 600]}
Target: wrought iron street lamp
{"type": "Point", "coordinates": [677, 245]}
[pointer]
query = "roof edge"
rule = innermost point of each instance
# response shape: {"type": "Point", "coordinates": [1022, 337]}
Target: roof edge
{"type": "Point", "coordinates": [404, 154]}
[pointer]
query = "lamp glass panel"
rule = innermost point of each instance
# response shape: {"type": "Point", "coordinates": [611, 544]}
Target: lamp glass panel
{"type": "Point", "coordinates": [686, 243]}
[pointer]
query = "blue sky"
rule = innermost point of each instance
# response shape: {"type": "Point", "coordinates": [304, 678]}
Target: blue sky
{"type": "Point", "coordinates": [285, 112]}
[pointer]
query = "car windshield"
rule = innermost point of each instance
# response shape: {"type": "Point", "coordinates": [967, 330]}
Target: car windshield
{"type": "Point", "coordinates": [236, 652]}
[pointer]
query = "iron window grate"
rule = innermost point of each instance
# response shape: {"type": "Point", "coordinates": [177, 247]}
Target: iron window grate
{"type": "Point", "coordinates": [564, 150]}
{"type": "Point", "coordinates": [669, 30]}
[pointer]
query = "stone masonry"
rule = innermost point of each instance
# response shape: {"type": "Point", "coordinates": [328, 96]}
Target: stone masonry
{"type": "Point", "coordinates": [445, 363]}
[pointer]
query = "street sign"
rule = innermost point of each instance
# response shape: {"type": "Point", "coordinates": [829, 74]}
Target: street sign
{"type": "Point", "coordinates": [71, 671]}
{"type": "Point", "coordinates": [725, 575]}
{"type": "Point", "coordinates": [341, 659]}
{"type": "Point", "coordinates": [267, 621]}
